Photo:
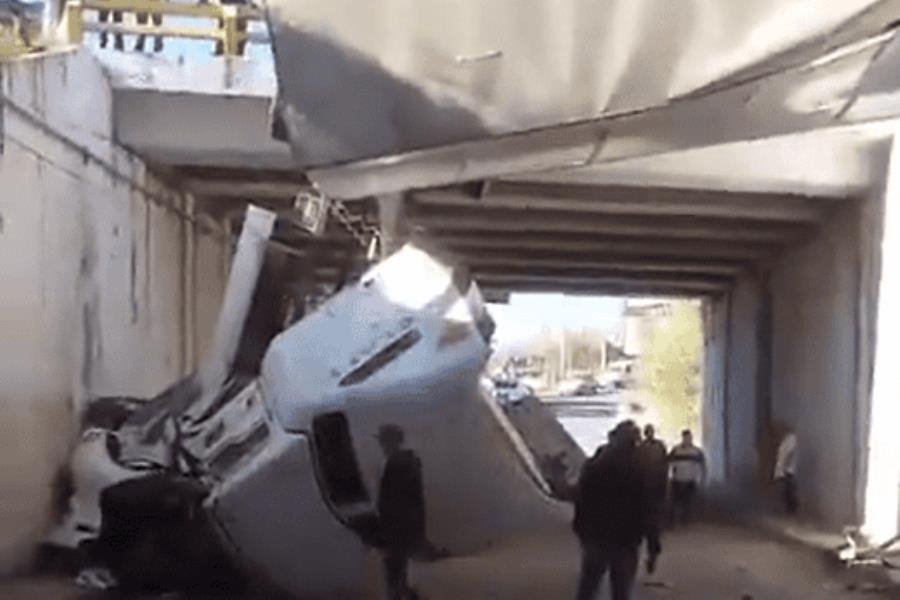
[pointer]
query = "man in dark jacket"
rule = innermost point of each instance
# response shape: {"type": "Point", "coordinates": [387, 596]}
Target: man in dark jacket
{"type": "Point", "coordinates": [654, 460]}
{"type": "Point", "coordinates": [401, 510]}
{"type": "Point", "coordinates": [611, 515]}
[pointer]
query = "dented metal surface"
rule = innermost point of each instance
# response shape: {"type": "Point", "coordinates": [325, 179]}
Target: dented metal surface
{"type": "Point", "coordinates": [404, 344]}
{"type": "Point", "coordinates": [148, 435]}
{"type": "Point", "coordinates": [423, 94]}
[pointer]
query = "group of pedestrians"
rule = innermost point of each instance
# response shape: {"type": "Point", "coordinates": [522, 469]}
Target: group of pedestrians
{"type": "Point", "coordinates": [621, 499]}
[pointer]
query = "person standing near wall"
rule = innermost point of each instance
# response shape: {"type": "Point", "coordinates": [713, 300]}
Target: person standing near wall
{"type": "Point", "coordinates": [654, 462]}
{"type": "Point", "coordinates": [688, 474]}
{"type": "Point", "coordinates": [785, 470]}
{"type": "Point", "coordinates": [401, 511]}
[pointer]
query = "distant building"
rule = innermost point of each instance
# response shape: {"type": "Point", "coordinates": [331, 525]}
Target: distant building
{"type": "Point", "coordinates": [569, 356]}
{"type": "Point", "coordinates": [642, 316]}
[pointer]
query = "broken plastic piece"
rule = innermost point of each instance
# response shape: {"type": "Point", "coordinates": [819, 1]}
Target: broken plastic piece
{"type": "Point", "coordinates": [96, 579]}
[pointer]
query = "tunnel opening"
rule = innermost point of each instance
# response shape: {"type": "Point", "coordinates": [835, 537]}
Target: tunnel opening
{"type": "Point", "coordinates": [566, 370]}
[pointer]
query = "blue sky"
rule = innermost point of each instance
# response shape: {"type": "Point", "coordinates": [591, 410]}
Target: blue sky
{"type": "Point", "coordinates": [528, 315]}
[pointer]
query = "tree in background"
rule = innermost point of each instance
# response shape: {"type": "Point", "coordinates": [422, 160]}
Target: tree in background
{"type": "Point", "coordinates": [670, 368]}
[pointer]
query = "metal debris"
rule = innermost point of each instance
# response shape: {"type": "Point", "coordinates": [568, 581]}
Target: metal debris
{"type": "Point", "coordinates": [96, 578]}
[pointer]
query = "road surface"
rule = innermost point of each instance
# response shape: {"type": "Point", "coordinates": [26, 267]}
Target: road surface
{"type": "Point", "coordinates": [706, 561]}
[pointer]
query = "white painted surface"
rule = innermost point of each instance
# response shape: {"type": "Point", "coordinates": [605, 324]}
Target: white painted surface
{"type": "Point", "coordinates": [226, 130]}
{"type": "Point", "coordinates": [742, 384]}
{"type": "Point", "coordinates": [715, 360]}
{"type": "Point", "coordinates": [815, 294]}
{"type": "Point", "coordinates": [93, 297]}
{"type": "Point", "coordinates": [282, 529]}
{"type": "Point", "coordinates": [399, 76]}
{"type": "Point", "coordinates": [822, 163]}
{"type": "Point", "coordinates": [882, 499]}
{"type": "Point", "coordinates": [481, 485]}
{"type": "Point", "coordinates": [194, 74]}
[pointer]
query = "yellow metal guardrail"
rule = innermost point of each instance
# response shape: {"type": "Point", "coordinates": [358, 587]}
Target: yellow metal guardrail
{"type": "Point", "coordinates": [231, 32]}
{"type": "Point", "coordinates": [19, 34]}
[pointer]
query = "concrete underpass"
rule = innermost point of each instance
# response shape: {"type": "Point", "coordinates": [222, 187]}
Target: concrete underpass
{"type": "Point", "coordinates": [123, 184]}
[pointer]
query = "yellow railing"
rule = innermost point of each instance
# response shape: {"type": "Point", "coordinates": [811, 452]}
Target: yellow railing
{"type": "Point", "coordinates": [230, 32]}
{"type": "Point", "coordinates": [18, 35]}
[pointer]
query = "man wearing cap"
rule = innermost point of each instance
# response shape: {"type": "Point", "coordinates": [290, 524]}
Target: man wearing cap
{"type": "Point", "coordinates": [401, 510]}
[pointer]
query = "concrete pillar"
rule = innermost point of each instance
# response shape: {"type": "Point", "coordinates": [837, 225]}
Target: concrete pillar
{"type": "Point", "coordinates": [391, 218]}
{"type": "Point", "coordinates": [882, 500]}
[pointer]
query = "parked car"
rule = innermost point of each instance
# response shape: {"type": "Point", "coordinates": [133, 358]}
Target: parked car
{"type": "Point", "coordinates": [510, 391]}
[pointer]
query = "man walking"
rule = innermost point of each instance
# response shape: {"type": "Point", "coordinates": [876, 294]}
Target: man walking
{"type": "Point", "coordinates": [610, 515]}
{"type": "Point", "coordinates": [654, 462]}
{"type": "Point", "coordinates": [688, 473]}
{"type": "Point", "coordinates": [401, 511]}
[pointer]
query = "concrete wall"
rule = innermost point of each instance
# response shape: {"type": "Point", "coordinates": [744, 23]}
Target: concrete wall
{"type": "Point", "coordinates": [715, 356]}
{"type": "Point", "coordinates": [815, 295]}
{"type": "Point", "coordinates": [743, 382]}
{"type": "Point", "coordinates": [878, 489]}
{"type": "Point", "coordinates": [730, 387]}
{"type": "Point", "coordinates": [100, 278]}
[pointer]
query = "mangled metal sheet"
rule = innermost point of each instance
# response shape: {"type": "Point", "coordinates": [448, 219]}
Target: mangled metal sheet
{"type": "Point", "coordinates": [398, 94]}
{"type": "Point", "coordinates": [278, 475]}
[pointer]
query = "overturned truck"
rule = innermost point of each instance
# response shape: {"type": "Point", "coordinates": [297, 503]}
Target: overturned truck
{"type": "Point", "coordinates": [269, 472]}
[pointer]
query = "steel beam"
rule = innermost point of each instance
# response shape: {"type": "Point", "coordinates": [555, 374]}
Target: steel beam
{"type": "Point", "coordinates": [580, 274]}
{"type": "Point", "coordinates": [596, 287]}
{"type": "Point", "coordinates": [492, 220]}
{"type": "Point", "coordinates": [478, 258]}
{"type": "Point", "coordinates": [634, 200]}
{"type": "Point", "coordinates": [244, 189]}
{"type": "Point", "coordinates": [453, 240]}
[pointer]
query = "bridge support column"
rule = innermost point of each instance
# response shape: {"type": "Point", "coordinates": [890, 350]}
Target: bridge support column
{"type": "Point", "coordinates": [882, 494]}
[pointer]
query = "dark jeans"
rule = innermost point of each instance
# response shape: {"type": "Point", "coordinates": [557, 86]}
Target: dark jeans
{"type": "Point", "coordinates": [396, 566]}
{"type": "Point", "coordinates": [598, 558]}
{"type": "Point", "coordinates": [789, 493]}
{"type": "Point", "coordinates": [655, 525]}
{"type": "Point", "coordinates": [683, 493]}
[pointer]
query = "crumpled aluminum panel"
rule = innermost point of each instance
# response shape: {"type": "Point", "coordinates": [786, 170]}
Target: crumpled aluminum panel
{"type": "Point", "coordinates": [360, 80]}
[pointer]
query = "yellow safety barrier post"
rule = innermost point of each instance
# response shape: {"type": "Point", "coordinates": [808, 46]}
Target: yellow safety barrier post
{"type": "Point", "coordinates": [74, 21]}
{"type": "Point", "coordinates": [230, 31]}
{"type": "Point", "coordinates": [230, 35]}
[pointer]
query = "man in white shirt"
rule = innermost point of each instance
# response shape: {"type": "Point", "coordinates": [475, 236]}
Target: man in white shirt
{"type": "Point", "coordinates": [688, 465]}
{"type": "Point", "coordinates": [785, 470]}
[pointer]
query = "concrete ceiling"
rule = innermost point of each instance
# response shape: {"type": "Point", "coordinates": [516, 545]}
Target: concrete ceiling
{"type": "Point", "coordinates": [517, 236]}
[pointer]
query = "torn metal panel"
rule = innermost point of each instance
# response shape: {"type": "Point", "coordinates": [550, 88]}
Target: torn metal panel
{"type": "Point", "coordinates": [423, 94]}
{"type": "Point", "coordinates": [279, 471]}
{"type": "Point", "coordinates": [810, 97]}
{"type": "Point", "coordinates": [389, 77]}
{"type": "Point", "coordinates": [245, 270]}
